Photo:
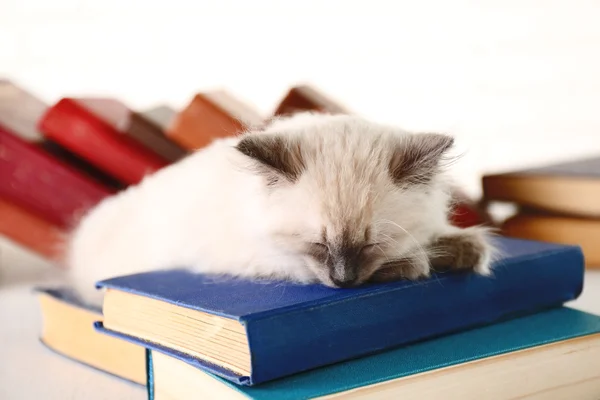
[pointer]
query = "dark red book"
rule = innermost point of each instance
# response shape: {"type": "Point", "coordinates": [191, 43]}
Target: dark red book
{"type": "Point", "coordinates": [34, 180]}
{"type": "Point", "coordinates": [308, 98]}
{"type": "Point", "coordinates": [75, 127]}
{"type": "Point", "coordinates": [466, 212]}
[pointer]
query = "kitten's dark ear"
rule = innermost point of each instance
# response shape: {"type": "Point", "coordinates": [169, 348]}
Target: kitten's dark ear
{"type": "Point", "coordinates": [277, 154]}
{"type": "Point", "coordinates": [416, 158]}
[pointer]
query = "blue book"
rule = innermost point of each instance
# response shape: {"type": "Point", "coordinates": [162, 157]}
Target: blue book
{"type": "Point", "coordinates": [553, 354]}
{"type": "Point", "coordinates": [252, 332]}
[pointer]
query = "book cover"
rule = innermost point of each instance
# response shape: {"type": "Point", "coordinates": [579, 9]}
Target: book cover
{"type": "Point", "coordinates": [209, 116]}
{"type": "Point", "coordinates": [308, 98]}
{"type": "Point", "coordinates": [569, 188]}
{"type": "Point", "coordinates": [68, 330]}
{"type": "Point", "coordinates": [30, 231]}
{"type": "Point", "coordinates": [290, 328]}
{"type": "Point", "coordinates": [554, 351]}
{"type": "Point", "coordinates": [76, 128]}
{"type": "Point", "coordinates": [42, 184]}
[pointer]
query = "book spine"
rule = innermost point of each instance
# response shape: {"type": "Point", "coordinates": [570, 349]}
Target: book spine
{"type": "Point", "coordinates": [30, 231]}
{"type": "Point", "coordinates": [152, 137]}
{"type": "Point", "coordinates": [298, 340]}
{"type": "Point", "coordinates": [36, 181]}
{"type": "Point", "coordinates": [200, 123]}
{"type": "Point", "coordinates": [98, 142]}
{"type": "Point", "coordinates": [306, 98]}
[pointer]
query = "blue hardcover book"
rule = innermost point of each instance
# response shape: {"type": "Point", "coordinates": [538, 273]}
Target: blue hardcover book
{"type": "Point", "coordinates": [553, 354]}
{"type": "Point", "coordinates": [252, 332]}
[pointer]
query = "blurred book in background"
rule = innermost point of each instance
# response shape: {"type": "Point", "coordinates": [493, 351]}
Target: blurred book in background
{"type": "Point", "coordinates": [210, 116]}
{"type": "Point", "coordinates": [557, 203]}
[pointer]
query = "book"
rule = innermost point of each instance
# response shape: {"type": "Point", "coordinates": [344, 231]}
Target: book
{"type": "Point", "coordinates": [308, 98]}
{"type": "Point", "coordinates": [553, 354]}
{"type": "Point", "coordinates": [75, 127]}
{"type": "Point", "coordinates": [78, 163]}
{"type": "Point", "coordinates": [20, 110]}
{"type": "Point", "coordinates": [30, 231]}
{"type": "Point", "coordinates": [68, 330]}
{"type": "Point", "coordinates": [583, 232]}
{"type": "Point", "coordinates": [569, 188]}
{"type": "Point", "coordinates": [466, 212]}
{"type": "Point", "coordinates": [209, 116]}
{"type": "Point", "coordinates": [251, 332]}
{"type": "Point", "coordinates": [134, 125]}
{"type": "Point", "coordinates": [44, 185]}
{"type": "Point", "coordinates": [162, 115]}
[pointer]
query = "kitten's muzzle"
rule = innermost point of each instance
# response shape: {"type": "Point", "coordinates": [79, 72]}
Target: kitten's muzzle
{"type": "Point", "coordinates": [344, 277]}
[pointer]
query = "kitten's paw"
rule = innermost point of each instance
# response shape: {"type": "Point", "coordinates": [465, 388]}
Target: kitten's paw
{"type": "Point", "coordinates": [463, 249]}
{"type": "Point", "coordinates": [410, 268]}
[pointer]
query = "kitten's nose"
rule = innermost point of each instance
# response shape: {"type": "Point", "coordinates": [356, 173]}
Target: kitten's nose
{"type": "Point", "coordinates": [344, 283]}
{"type": "Point", "coordinates": [346, 279]}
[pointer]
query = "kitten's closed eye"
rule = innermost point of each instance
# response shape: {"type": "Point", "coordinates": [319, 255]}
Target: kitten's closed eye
{"type": "Point", "coordinates": [319, 251]}
{"type": "Point", "coordinates": [369, 249]}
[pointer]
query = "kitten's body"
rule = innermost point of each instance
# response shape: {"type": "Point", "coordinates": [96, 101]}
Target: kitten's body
{"type": "Point", "coordinates": [311, 198]}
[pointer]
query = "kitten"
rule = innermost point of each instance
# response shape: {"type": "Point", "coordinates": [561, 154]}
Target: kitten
{"type": "Point", "coordinates": [334, 199]}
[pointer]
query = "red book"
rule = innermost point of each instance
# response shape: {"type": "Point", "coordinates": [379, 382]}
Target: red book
{"type": "Point", "coordinates": [466, 212]}
{"type": "Point", "coordinates": [43, 185]}
{"type": "Point", "coordinates": [73, 126]}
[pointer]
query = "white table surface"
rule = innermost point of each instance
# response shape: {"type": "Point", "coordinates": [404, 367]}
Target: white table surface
{"type": "Point", "coordinates": [30, 371]}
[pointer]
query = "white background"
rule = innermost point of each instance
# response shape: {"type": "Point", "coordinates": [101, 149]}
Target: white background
{"type": "Point", "coordinates": [517, 82]}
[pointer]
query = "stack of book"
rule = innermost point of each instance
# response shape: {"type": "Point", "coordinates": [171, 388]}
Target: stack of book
{"type": "Point", "coordinates": [452, 336]}
{"type": "Point", "coordinates": [557, 203]}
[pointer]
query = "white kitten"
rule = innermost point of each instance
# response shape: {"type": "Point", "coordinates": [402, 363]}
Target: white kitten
{"type": "Point", "coordinates": [311, 198]}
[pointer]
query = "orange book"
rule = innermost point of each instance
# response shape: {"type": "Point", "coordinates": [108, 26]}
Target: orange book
{"type": "Point", "coordinates": [30, 231]}
{"type": "Point", "coordinates": [210, 116]}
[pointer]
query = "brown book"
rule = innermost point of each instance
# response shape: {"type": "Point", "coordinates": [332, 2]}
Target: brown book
{"type": "Point", "coordinates": [210, 116]}
{"type": "Point", "coordinates": [307, 98]}
{"type": "Point", "coordinates": [20, 110]}
{"type": "Point", "coordinates": [30, 231]}
{"type": "Point", "coordinates": [558, 229]}
{"type": "Point", "coordinates": [571, 188]}
{"type": "Point", "coordinates": [135, 126]}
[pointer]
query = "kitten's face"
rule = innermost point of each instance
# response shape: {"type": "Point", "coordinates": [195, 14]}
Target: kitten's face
{"type": "Point", "coordinates": [348, 196]}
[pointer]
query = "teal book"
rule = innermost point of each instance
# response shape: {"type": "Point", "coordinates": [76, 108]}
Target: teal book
{"type": "Point", "coordinates": [553, 354]}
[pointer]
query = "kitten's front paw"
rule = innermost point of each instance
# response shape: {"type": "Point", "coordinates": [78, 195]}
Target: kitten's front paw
{"type": "Point", "coordinates": [463, 249]}
{"type": "Point", "coordinates": [410, 268]}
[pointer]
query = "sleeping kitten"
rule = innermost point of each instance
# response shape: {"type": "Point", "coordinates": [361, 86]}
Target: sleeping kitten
{"type": "Point", "coordinates": [310, 198]}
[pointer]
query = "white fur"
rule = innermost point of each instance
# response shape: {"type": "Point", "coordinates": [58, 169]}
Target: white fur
{"type": "Point", "coordinates": [212, 212]}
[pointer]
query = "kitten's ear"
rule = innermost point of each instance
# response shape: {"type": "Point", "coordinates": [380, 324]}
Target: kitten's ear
{"type": "Point", "coordinates": [279, 154]}
{"type": "Point", "coordinates": [416, 158]}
